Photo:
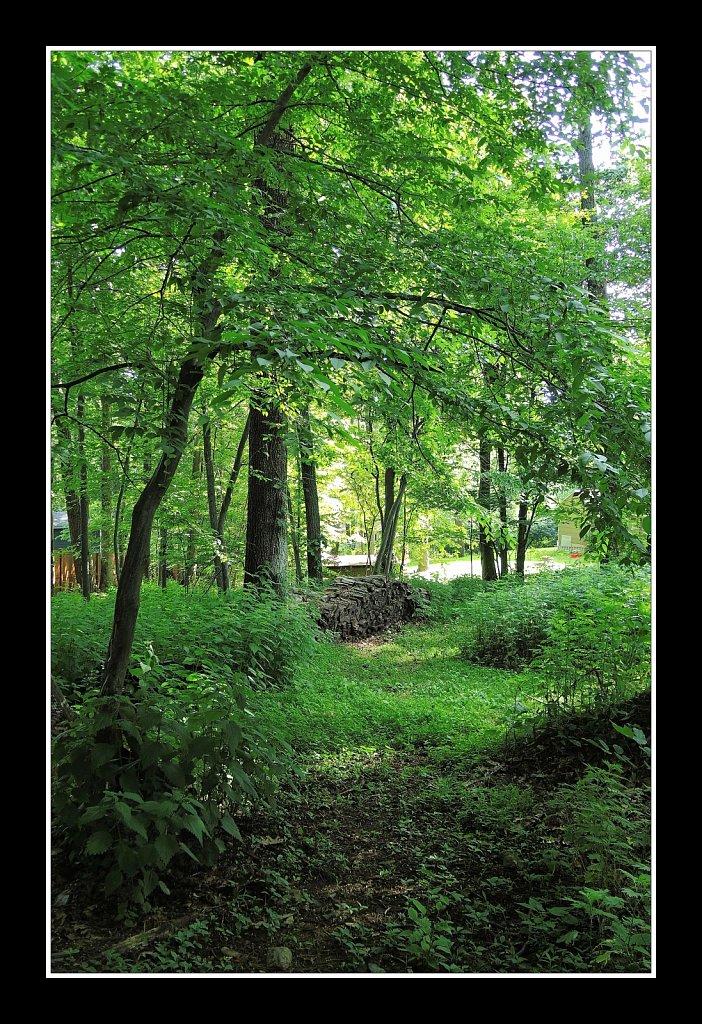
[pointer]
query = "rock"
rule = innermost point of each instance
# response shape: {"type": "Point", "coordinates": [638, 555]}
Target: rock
{"type": "Point", "coordinates": [279, 957]}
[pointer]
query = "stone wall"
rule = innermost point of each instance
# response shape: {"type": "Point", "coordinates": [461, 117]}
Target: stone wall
{"type": "Point", "coordinates": [356, 608]}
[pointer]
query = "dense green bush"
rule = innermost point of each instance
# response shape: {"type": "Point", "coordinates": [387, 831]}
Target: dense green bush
{"type": "Point", "coordinates": [591, 621]}
{"type": "Point", "coordinates": [543, 533]}
{"type": "Point", "coordinates": [603, 914]}
{"type": "Point", "coordinates": [155, 775]}
{"type": "Point", "coordinates": [449, 601]}
{"type": "Point", "coordinates": [239, 638]}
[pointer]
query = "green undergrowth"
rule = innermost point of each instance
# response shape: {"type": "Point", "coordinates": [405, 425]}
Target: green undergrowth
{"type": "Point", "coordinates": [411, 832]}
{"type": "Point", "coordinates": [238, 639]}
{"type": "Point", "coordinates": [411, 691]}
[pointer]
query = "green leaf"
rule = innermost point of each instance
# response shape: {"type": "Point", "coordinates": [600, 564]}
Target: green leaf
{"type": "Point", "coordinates": [99, 842]}
{"type": "Point", "coordinates": [197, 826]}
{"type": "Point", "coordinates": [624, 730]}
{"type": "Point", "coordinates": [229, 826]}
{"type": "Point", "coordinates": [101, 753]}
{"type": "Point", "coordinates": [243, 779]}
{"type": "Point", "coordinates": [186, 849]}
{"type": "Point", "coordinates": [166, 848]}
{"type": "Point", "coordinates": [114, 880]}
{"type": "Point", "coordinates": [125, 813]}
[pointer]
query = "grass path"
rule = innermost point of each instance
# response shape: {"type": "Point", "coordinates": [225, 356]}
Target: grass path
{"type": "Point", "coordinates": [408, 691]}
{"type": "Point", "coordinates": [412, 844]}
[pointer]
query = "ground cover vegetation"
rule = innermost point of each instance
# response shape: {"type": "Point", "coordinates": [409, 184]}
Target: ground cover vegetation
{"type": "Point", "coordinates": [314, 305]}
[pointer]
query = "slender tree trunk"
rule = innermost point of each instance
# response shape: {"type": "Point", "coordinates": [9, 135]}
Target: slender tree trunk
{"type": "Point", "coordinates": [191, 549]}
{"type": "Point", "coordinates": [128, 592]}
{"type": "Point", "coordinates": [107, 574]}
{"type": "Point", "coordinates": [383, 562]}
{"type": "Point", "coordinates": [521, 536]}
{"type": "Point", "coordinates": [212, 503]}
{"type": "Point", "coordinates": [227, 499]}
{"type": "Point", "coordinates": [487, 550]}
{"type": "Point", "coordinates": [86, 578]}
{"type": "Point", "coordinates": [502, 505]}
{"type": "Point", "coordinates": [523, 530]}
{"type": "Point", "coordinates": [586, 172]}
{"type": "Point", "coordinates": [163, 557]}
{"type": "Point", "coordinates": [295, 539]}
{"type": "Point", "coordinates": [308, 473]}
{"type": "Point", "coordinates": [266, 521]}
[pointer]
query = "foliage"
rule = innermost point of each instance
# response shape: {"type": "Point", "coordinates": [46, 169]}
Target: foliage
{"type": "Point", "coordinates": [589, 624]}
{"type": "Point", "coordinates": [137, 776]}
{"type": "Point", "coordinates": [451, 600]}
{"type": "Point", "coordinates": [243, 640]}
{"type": "Point", "coordinates": [543, 533]}
{"type": "Point", "coordinates": [607, 840]}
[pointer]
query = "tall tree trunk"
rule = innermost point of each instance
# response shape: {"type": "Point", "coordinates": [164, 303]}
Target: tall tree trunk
{"type": "Point", "coordinates": [107, 574]}
{"type": "Point", "coordinates": [86, 579]}
{"type": "Point", "coordinates": [191, 550]}
{"type": "Point", "coordinates": [308, 473]}
{"type": "Point", "coordinates": [523, 530]}
{"type": "Point", "coordinates": [227, 499]}
{"type": "Point", "coordinates": [163, 557]}
{"type": "Point", "coordinates": [586, 173]}
{"type": "Point", "coordinates": [191, 373]}
{"type": "Point", "coordinates": [128, 591]}
{"type": "Point", "coordinates": [295, 539]}
{"type": "Point", "coordinates": [266, 520]}
{"type": "Point", "coordinates": [487, 550]}
{"type": "Point", "coordinates": [502, 505]}
{"type": "Point", "coordinates": [383, 563]}
{"type": "Point", "coordinates": [521, 535]}
{"type": "Point", "coordinates": [212, 502]}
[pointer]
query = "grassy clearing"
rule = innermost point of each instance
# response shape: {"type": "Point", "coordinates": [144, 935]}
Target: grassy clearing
{"type": "Point", "coordinates": [407, 838]}
{"type": "Point", "coordinates": [413, 691]}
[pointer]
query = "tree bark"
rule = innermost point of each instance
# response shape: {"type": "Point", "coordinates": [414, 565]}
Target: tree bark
{"type": "Point", "coordinates": [266, 521]}
{"type": "Point", "coordinates": [128, 591]}
{"type": "Point", "coordinates": [308, 473]}
{"type": "Point", "coordinates": [487, 550]}
{"type": "Point", "coordinates": [85, 574]}
{"type": "Point", "coordinates": [227, 499]}
{"type": "Point", "coordinates": [523, 531]}
{"type": "Point", "coordinates": [212, 503]}
{"type": "Point", "coordinates": [107, 573]}
{"type": "Point", "coordinates": [502, 505]}
{"type": "Point", "coordinates": [383, 563]}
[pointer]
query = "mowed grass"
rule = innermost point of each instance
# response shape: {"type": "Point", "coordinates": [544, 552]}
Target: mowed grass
{"type": "Point", "coordinates": [410, 691]}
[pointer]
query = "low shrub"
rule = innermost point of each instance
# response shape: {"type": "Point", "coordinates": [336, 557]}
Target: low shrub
{"type": "Point", "coordinates": [603, 916]}
{"type": "Point", "coordinates": [593, 621]}
{"type": "Point", "coordinates": [450, 600]}
{"type": "Point", "coordinates": [155, 775]}
{"type": "Point", "coordinates": [240, 637]}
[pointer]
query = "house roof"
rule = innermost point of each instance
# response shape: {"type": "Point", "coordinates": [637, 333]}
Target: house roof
{"type": "Point", "coordinates": [60, 520]}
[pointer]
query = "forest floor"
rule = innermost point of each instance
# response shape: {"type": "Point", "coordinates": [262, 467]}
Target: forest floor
{"type": "Point", "coordinates": [419, 839]}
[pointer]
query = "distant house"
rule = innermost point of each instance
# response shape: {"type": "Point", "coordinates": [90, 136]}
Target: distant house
{"type": "Point", "coordinates": [569, 538]}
